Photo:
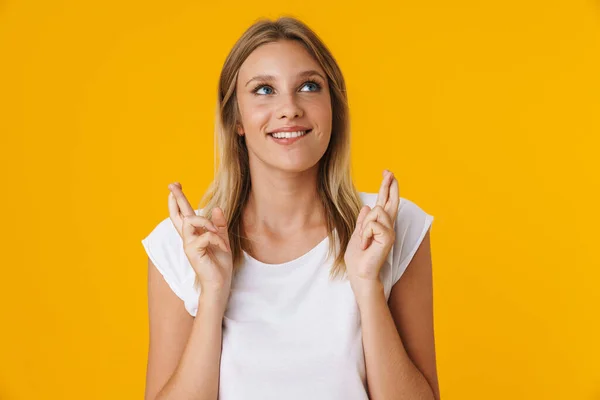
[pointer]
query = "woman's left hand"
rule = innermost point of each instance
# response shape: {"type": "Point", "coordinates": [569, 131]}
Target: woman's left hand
{"type": "Point", "coordinates": [373, 236]}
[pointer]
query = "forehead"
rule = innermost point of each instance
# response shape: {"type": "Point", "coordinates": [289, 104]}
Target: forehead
{"type": "Point", "coordinates": [284, 58]}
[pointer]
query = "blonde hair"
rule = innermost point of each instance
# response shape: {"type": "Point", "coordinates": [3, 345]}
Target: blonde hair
{"type": "Point", "coordinates": [231, 185]}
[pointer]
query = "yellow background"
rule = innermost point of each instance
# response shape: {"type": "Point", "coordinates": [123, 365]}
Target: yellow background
{"type": "Point", "coordinates": [488, 113]}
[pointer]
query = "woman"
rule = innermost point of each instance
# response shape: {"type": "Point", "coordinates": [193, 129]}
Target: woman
{"type": "Point", "coordinates": [286, 284]}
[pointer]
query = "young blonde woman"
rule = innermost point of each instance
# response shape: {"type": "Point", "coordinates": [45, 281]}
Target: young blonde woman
{"type": "Point", "coordinates": [286, 283]}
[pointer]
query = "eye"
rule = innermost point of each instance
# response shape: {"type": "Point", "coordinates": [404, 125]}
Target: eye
{"type": "Point", "coordinates": [255, 91]}
{"type": "Point", "coordinates": [314, 84]}
{"type": "Point", "coordinates": [269, 90]}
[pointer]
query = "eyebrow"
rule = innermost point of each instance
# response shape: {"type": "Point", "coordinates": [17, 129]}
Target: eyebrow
{"type": "Point", "coordinates": [271, 77]}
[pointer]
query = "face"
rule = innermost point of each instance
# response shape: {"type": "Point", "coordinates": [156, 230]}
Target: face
{"type": "Point", "coordinates": [281, 86]}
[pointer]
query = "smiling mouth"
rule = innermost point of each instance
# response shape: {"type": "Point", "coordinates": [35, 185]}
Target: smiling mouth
{"type": "Point", "coordinates": [289, 135]}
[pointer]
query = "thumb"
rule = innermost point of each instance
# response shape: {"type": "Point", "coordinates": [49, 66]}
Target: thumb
{"type": "Point", "coordinates": [218, 219]}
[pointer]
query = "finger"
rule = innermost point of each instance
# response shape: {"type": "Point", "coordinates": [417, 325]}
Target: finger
{"type": "Point", "coordinates": [184, 205]}
{"type": "Point", "coordinates": [202, 242]}
{"type": "Point", "coordinates": [378, 214]}
{"type": "Point", "coordinates": [374, 231]}
{"type": "Point", "coordinates": [193, 223]}
{"type": "Point", "coordinates": [382, 197]}
{"type": "Point", "coordinates": [391, 206]}
{"type": "Point", "coordinates": [367, 235]}
{"type": "Point", "coordinates": [174, 214]}
{"type": "Point", "coordinates": [361, 217]}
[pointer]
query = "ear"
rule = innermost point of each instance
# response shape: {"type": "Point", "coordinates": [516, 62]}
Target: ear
{"type": "Point", "coordinates": [240, 129]}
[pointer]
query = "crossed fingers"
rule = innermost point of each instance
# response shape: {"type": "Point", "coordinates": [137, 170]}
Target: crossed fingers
{"type": "Point", "coordinates": [383, 214]}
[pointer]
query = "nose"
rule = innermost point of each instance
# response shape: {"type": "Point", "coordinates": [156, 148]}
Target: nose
{"type": "Point", "coordinates": [288, 107]}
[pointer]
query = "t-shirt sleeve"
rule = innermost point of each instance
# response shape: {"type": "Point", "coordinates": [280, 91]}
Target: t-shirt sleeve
{"type": "Point", "coordinates": [412, 223]}
{"type": "Point", "coordinates": [165, 249]}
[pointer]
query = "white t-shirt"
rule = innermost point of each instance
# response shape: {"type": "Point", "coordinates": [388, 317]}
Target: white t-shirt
{"type": "Point", "coordinates": [288, 331]}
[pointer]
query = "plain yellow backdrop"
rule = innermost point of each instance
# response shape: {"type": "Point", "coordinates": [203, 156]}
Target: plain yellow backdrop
{"type": "Point", "coordinates": [487, 112]}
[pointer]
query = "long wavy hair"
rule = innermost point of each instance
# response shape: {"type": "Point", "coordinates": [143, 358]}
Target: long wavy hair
{"type": "Point", "coordinates": [231, 185]}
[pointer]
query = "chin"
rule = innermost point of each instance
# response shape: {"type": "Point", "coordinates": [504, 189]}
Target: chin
{"type": "Point", "coordinates": [296, 167]}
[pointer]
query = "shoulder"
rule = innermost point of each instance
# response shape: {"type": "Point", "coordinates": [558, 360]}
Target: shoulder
{"type": "Point", "coordinates": [164, 248]}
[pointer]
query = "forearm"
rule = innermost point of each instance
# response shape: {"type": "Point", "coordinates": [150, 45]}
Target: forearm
{"type": "Point", "coordinates": [197, 374]}
{"type": "Point", "coordinates": [390, 372]}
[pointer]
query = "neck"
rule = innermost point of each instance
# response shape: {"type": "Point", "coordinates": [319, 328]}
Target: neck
{"type": "Point", "coordinates": [282, 202]}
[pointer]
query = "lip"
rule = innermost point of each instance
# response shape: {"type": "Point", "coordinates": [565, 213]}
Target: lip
{"type": "Point", "coordinates": [289, 141]}
{"type": "Point", "coordinates": [294, 128]}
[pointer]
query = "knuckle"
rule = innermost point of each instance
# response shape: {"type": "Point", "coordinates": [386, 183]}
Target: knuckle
{"type": "Point", "coordinates": [210, 236]}
{"type": "Point", "coordinates": [202, 235]}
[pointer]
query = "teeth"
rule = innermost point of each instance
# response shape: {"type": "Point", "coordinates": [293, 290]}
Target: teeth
{"type": "Point", "coordinates": [281, 135]}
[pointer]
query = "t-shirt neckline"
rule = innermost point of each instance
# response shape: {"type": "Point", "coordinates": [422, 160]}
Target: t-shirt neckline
{"type": "Point", "coordinates": [297, 261]}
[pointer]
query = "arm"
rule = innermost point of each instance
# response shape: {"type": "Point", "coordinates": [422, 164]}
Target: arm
{"type": "Point", "coordinates": [398, 338]}
{"type": "Point", "coordinates": [184, 353]}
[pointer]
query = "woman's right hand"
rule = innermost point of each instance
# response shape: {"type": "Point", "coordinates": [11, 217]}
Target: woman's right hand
{"type": "Point", "coordinates": [205, 242]}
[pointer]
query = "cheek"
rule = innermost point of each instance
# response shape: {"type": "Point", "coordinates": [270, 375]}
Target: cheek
{"type": "Point", "coordinates": [254, 115]}
{"type": "Point", "coordinates": [321, 113]}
